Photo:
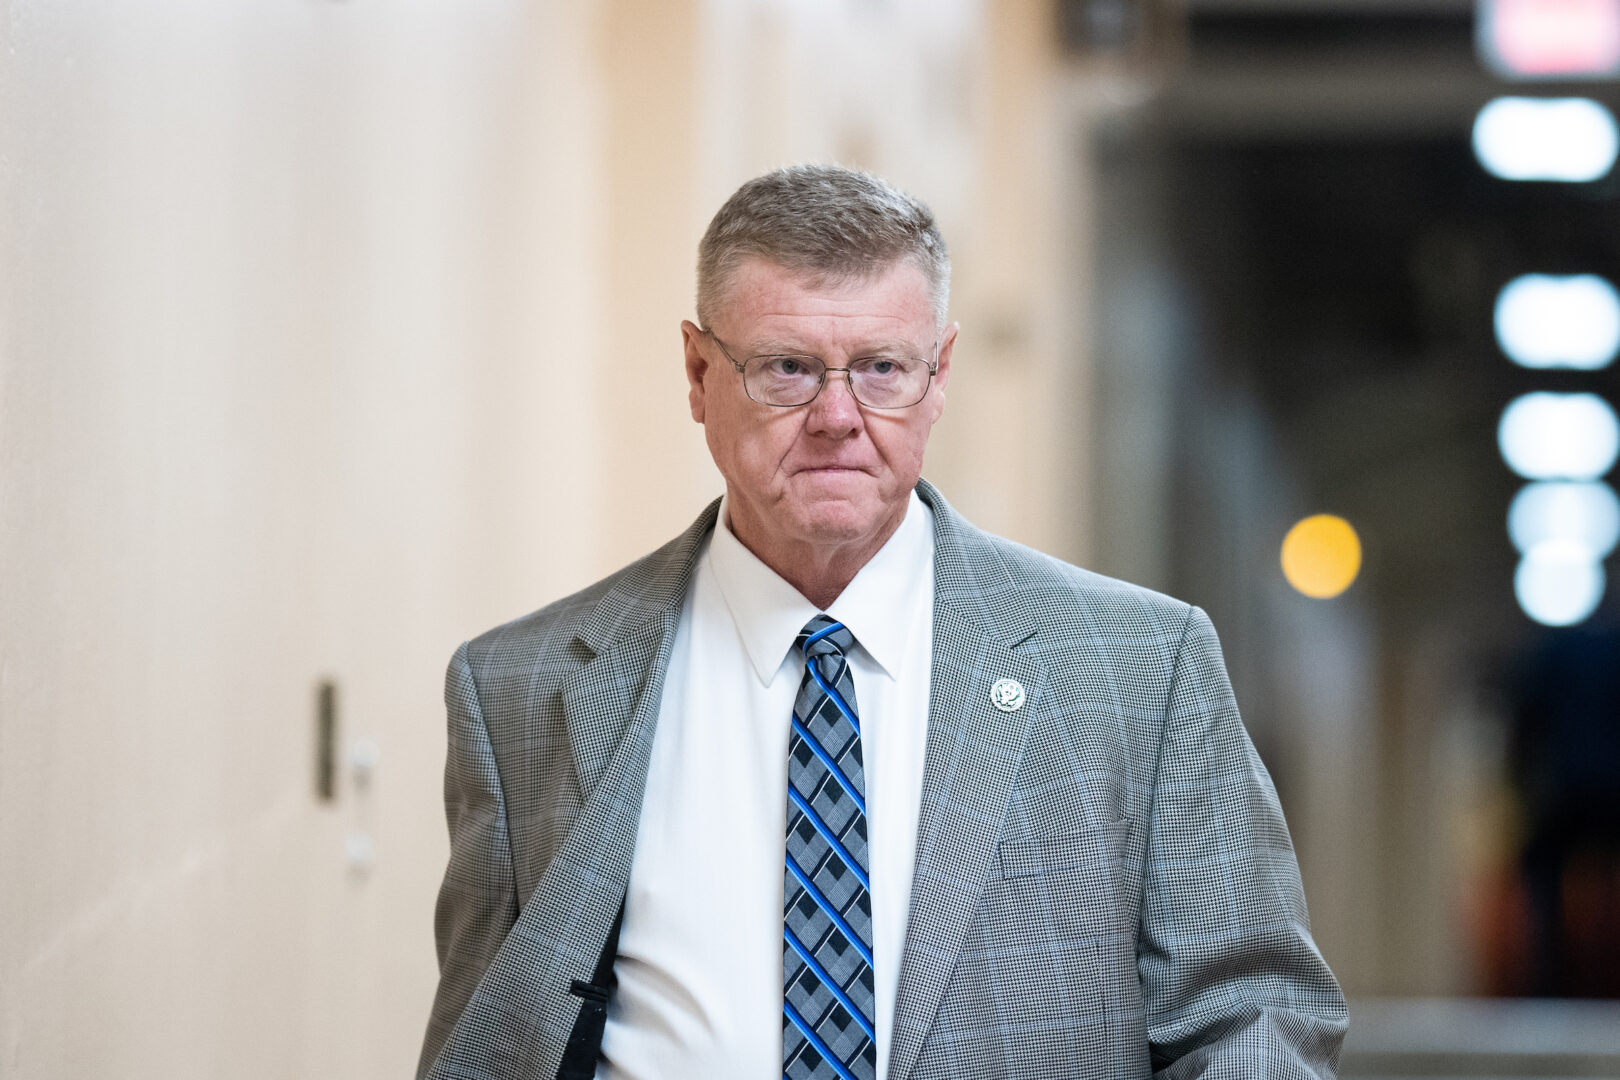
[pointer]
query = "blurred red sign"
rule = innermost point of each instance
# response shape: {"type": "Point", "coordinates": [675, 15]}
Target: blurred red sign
{"type": "Point", "coordinates": [1551, 38]}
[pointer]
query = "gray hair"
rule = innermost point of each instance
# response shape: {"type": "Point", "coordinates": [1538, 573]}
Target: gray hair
{"type": "Point", "coordinates": [826, 222]}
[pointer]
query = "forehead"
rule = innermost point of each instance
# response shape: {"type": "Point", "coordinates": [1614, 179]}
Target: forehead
{"type": "Point", "coordinates": [766, 301]}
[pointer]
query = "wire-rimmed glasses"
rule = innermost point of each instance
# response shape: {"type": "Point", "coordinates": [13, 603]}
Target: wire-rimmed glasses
{"type": "Point", "coordinates": [787, 380]}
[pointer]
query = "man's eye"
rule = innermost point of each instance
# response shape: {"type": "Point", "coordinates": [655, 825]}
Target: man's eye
{"type": "Point", "coordinates": [880, 366]}
{"type": "Point", "coordinates": [786, 367]}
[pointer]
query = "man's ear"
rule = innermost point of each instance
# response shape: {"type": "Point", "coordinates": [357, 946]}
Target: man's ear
{"type": "Point", "coordinates": [943, 374]}
{"type": "Point", "coordinates": [697, 366]}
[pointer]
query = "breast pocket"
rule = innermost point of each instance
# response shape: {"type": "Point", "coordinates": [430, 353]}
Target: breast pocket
{"type": "Point", "coordinates": [1094, 846]}
{"type": "Point", "coordinates": [1060, 889]}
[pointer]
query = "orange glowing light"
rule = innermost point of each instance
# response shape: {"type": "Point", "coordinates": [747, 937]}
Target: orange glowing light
{"type": "Point", "coordinates": [1321, 556]}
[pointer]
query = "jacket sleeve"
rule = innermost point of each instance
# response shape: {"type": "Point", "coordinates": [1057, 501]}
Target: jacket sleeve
{"type": "Point", "coordinates": [1232, 982]}
{"type": "Point", "coordinates": [478, 899]}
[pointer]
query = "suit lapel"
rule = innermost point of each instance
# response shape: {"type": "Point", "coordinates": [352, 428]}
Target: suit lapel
{"type": "Point", "coordinates": [611, 701]}
{"type": "Point", "coordinates": [610, 707]}
{"type": "Point", "coordinates": [973, 756]}
{"type": "Point", "coordinates": [610, 711]}
{"type": "Point", "coordinates": [630, 632]}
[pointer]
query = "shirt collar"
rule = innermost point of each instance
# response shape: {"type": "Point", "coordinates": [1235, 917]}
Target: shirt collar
{"type": "Point", "coordinates": [878, 606]}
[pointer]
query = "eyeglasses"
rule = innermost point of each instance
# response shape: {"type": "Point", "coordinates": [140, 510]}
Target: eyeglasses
{"type": "Point", "coordinates": [785, 380]}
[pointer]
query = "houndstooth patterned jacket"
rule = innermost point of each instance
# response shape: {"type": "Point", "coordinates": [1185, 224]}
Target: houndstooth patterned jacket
{"type": "Point", "coordinates": [1104, 886]}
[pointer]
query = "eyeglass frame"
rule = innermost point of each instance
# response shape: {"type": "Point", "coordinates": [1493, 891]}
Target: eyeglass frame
{"type": "Point", "coordinates": [742, 369]}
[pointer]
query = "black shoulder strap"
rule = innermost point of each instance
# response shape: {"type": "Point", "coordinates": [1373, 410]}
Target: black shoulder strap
{"type": "Point", "coordinates": [585, 1041]}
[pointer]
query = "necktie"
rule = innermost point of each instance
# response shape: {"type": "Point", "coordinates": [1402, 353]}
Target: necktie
{"type": "Point", "coordinates": [827, 1004]}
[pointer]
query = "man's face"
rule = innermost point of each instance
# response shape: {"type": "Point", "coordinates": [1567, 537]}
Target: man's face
{"type": "Point", "coordinates": [831, 474]}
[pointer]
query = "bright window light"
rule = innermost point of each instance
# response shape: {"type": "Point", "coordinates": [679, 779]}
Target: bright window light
{"type": "Point", "coordinates": [1558, 583]}
{"type": "Point", "coordinates": [1550, 38]}
{"type": "Point", "coordinates": [1569, 139]}
{"type": "Point", "coordinates": [1586, 514]}
{"type": "Point", "coordinates": [1559, 322]}
{"type": "Point", "coordinates": [1546, 436]}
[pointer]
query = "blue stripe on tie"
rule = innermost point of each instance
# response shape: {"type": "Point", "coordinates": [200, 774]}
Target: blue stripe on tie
{"type": "Point", "coordinates": [827, 981]}
{"type": "Point", "coordinates": [826, 759]}
{"type": "Point", "coordinates": [815, 1040]}
{"type": "Point", "coordinates": [837, 699]}
{"type": "Point", "coordinates": [823, 632]}
{"type": "Point", "coordinates": [832, 913]}
{"type": "Point", "coordinates": [826, 834]}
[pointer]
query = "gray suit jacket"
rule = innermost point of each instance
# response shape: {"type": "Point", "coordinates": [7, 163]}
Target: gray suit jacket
{"type": "Point", "coordinates": [1104, 885]}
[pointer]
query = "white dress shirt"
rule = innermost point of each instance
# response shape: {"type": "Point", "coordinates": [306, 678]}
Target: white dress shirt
{"type": "Point", "coordinates": [700, 954]}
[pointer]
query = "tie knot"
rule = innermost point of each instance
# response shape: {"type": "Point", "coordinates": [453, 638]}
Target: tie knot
{"type": "Point", "coordinates": [824, 636]}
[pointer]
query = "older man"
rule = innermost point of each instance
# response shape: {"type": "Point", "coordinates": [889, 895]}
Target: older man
{"type": "Point", "coordinates": [837, 784]}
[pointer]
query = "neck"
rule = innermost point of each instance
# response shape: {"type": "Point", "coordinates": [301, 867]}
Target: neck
{"type": "Point", "coordinates": [820, 571]}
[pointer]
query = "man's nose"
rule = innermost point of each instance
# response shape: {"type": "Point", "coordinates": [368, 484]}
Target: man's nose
{"type": "Point", "coordinates": [835, 408]}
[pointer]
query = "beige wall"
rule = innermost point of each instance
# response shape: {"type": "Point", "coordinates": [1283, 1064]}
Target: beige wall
{"type": "Point", "coordinates": [319, 322]}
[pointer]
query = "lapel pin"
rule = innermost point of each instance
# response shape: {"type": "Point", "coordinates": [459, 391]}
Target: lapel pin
{"type": "Point", "coordinates": [1007, 695]}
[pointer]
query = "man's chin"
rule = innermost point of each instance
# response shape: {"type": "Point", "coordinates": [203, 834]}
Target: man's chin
{"type": "Point", "coordinates": [840, 520]}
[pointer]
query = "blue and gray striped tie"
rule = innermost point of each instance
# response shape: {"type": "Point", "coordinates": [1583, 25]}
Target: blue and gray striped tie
{"type": "Point", "coordinates": [827, 1004]}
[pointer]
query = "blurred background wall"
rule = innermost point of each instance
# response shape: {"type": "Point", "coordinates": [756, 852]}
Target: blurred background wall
{"type": "Point", "coordinates": [332, 333]}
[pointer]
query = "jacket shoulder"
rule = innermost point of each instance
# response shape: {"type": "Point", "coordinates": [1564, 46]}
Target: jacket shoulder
{"type": "Point", "coordinates": [1060, 595]}
{"type": "Point", "coordinates": [1025, 592]}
